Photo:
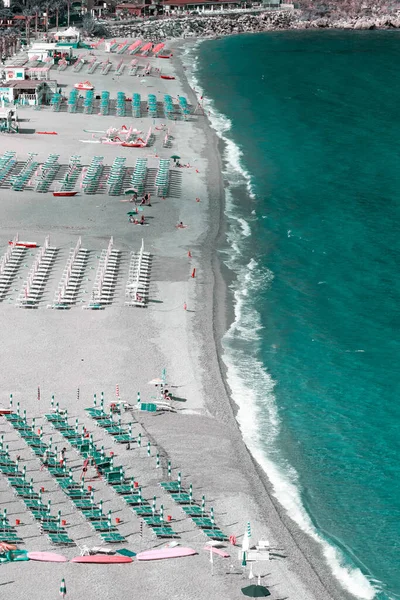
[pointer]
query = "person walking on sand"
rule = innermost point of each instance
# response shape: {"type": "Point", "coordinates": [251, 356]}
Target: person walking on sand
{"type": "Point", "coordinates": [62, 457]}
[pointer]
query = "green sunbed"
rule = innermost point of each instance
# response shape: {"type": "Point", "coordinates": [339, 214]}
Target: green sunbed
{"type": "Point", "coordinates": [181, 498]}
{"type": "Point", "coordinates": [112, 538]}
{"type": "Point", "coordinates": [215, 534]}
{"type": "Point", "coordinates": [171, 486]}
{"type": "Point", "coordinates": [61, 539]}
{"type": "Point", "coordinates": [193, 511]}
{"type": "Point", "coordinates": [162, 532]}
{"type": "Point", "coordinates": [143, 510]}
{"type": "Point", "coordinates": [203, 522]}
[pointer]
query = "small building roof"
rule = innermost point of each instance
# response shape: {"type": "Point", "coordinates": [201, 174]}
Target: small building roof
{"type": "Point", "coordinates": [27, 84]}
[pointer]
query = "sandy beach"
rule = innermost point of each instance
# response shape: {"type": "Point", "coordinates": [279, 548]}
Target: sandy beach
{"type": "Point", "coordinates": [92, 351]}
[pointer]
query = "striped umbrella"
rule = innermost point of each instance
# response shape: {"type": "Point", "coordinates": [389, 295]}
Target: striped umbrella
{"type": "Point", "coordinates": [169, 469]}
{"type": "Point", "coordinates": [244, 561]}
{"type": "Point", "coordinates": [203, 504]}
{"type": "Point", "coordinates": [94, 399]}
{"type": "Point", "coordinates": [1, 442]}
{"type": "Point", "coordinates": [130, 430]}
{"type": "Point", "coordinates": [157, 461]}
{"type": "Point", "coordinates": [52, 402]}
{"type": "Point", "coordinates": [59, 519]}
{"type": "Point", "coordinates": [76, 425]}
{"type": "Point", "coordinates": [48, 506]}
{"type": "Point", "coordinates": [140, 494]}
{"type": "Point", "coordinates": [18, 408]}
{"type": "Point", "coordinates": [57, 407]}
{"type": "Point", "coordinates": [153, 506]}
{"type": "Point", "coordinates": [212, 516]}
{"type": "Point", "coordinates": [138, 397]}
{"type": "Point", "coordinates": [179, 481]}
{"type": "Point", "coordinates": [101, 505]}
{"type": "Point", "coordinates": [11, 400]}
{"type": "Point", "coordinates": [109, 520]}
{"type": "Point", "coordinates": [24, 416]}
{"type": "Point", "coordinates": [33, 424]}
{"type": "Point", "coordinates": [148, 448]}
{"type": "Point", "coordinates": [248, 530]}
{"type": "Point", "coordinates": [102, 398]}
{"type": "Point", "coordinates": [63, 589]}
{"type": "Point", "coordinates": [190, 493]}
{"type": "Point", "coordinates": [161, 513]}
{"type": "Point", "coordinates": [139, 441]}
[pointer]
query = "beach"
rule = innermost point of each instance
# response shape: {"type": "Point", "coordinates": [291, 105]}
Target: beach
{"type": "Point", "coordinates": [76, 353]}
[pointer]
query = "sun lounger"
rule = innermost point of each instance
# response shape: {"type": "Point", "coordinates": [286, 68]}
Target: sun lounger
{"type": "Point", "coordinates": [61, 539]}
{"type": "Point", "coordinates": [143, 510]}
{"type": "Point", "coordinates": [215, 534]}
{"type": "Point", "coordinates": [181, 498]}
{"type": "Point", "coordinates": [171, 486]}
{"type": "Point", "coordinates": [164, 532]}
{"type": "Point", "coordinates": [193, 511]}
{"type": "Point", "coordinates": [112, 538]}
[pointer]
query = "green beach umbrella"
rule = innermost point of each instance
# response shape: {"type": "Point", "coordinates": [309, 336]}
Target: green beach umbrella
{"type": "Point", "coordinates": [139, 441]}
{"type": "Point", "coordinates": [153, 506]}
{"type": "Point", "coordinates": [179, 480]}
{"type": "Point", "coordinates": [63, 589]}
{"type": "Point", "coordinates": [130, 430]}
{"type": "Point", "coordinates": [148, 448]}
{"type": "Point", "coordinates": [256, 591]}
{"type": "Point", "coordinates": [169, 469]}
{"type": "Point", "coordinates": [94, 400]}
{"type": "Point", "coordinates": [138, 397]}
{"type": "Point", "coordinates": [203, 504]}
{"type": "Point", "coordinates": [244, 561]}
{"type": "Point", "coordinates": [175, 157]}
{"type": "Point", "coordinates": [130, 191]}
{"type": "Point", "coordinates": [131, 213]}
{"type": "Point", "coordinates": [52, 402]}
{"type": "Point", "coordinates": [11, 400]}
{"type": "Point", "coordinates": [162, 513]}
{"type": "Point", "coordinates": [190, 493]}
{"type": "Point", "coordinates": [157, 461]}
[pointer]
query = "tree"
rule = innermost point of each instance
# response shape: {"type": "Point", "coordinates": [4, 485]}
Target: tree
{"type": "Point", "coordinates": [58, 5]}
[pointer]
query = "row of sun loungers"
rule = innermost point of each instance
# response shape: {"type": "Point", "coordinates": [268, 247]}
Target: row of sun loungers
{"type": "Point", "coordinates": [10, 263]}
{"type": "Point", "coordinates": [71, 280]}
{"type": "Point", "coordinates": [24, 489]}
{"type": "Point", "coordinates": [137, 287]}
{"type": "Point", "coordinates": [106, 277]}
{"type": "Point", "coordinates": [38, 276]}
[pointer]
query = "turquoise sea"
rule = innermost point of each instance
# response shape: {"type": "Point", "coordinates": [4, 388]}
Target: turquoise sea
{"type": "Point", "coordinates": [312, 166]}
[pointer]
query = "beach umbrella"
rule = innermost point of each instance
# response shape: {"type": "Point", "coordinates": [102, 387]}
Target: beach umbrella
{"type": "Point", "coordinates": [179, 480]}
{"type": "Point", "coordinates": [162, 513]}
{"type": "Point", "coordinates": [256, 591]}
{"type": "Point", "coordinates": [212, 516]}
{"type": "Point", "coordinates": [11, 400]}
{"type": "Point", "coordinates": [63, 589]}
{"type": "Point", "coordinates": [153, 506]}
{"type": "Point", "coordinates": [169, 469]}
{"type": "Point", "coordinates": [203, 504]}
{"type": "Point", "coordinates": [148, 448]}
{"type": "Point", "coordinates": [157, 461]}
{"type": "Point", "coordinates": [139, 441]}
{"type": "Point", "coordinates": [131, 213]}
{"type": "Point", "coordinates": [138, 397]}
{"type": "Point", "coordinates": [94, 400]}
{"type": "Point", "coordinates": [190, 493]}
{"type": "Point", "coordinates": [130, 191]}
{"type": "Point", "coordinates": [175, 157]}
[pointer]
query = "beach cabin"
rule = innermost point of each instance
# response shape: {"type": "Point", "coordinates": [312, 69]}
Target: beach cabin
{"type": "Point", "coordinates": [42, 51]}
{"type": "Point", "coordinates": [14, 72]}
{"type": "Point", "coordinates": [179, 6]}
{"type": "Point", "coordinates": [29, 92]}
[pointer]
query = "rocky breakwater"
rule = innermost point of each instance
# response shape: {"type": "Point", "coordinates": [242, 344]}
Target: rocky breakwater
{"type": "Point", "coordinates": [209, 26]}
{"type": "Point", "coordinates": [206, 26]}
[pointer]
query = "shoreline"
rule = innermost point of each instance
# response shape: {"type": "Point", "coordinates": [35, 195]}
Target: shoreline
{"type": "Point", "coordinates": [308, 551]}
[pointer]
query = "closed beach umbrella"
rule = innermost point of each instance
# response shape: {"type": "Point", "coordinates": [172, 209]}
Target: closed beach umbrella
{"type": "Point", "coordinates": [138, 397]}
{"type": "Point", "coordinates": [161, 513]}
{"type": "Point", "coordinates": [148, 448]}
{"type": "Point", "coordinates": [63, 589]}
{"type": "Point", "coordinates": [179, 480]}
{"type": "Point", "coordinates": [130, 191]}
{"type": "Point", "coordinates": [203, 504]}
{"type": "Point", "coordinates": [256, 591]}
{"type": "Point", "coordinates": [94, 399]}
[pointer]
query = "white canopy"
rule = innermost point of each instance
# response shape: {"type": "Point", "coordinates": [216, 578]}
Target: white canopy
{"type": "Point", "coordinates": [71, 32]}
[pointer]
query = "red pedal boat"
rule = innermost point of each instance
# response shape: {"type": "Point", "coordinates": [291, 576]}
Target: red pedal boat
{"type": "Point", "coordinates": [24, 244]}
{"type": "Point", "coordinates": [66, 194]}
{"type": "Point", "coordinates": [167, 77]}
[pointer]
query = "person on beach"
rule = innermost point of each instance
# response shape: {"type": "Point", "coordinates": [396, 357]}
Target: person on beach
{"type": "Point", "coordinates": [62, 457]}
{"type": "Point", "coordinates": [142, 221]}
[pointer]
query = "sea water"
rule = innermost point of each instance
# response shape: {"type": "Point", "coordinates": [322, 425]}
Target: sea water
{"type": "Point", "coordinates": [312, 167]}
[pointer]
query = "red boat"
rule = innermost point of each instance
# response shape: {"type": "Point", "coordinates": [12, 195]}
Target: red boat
{"type": "Point", "coordinates": [24, 244]}
{"type": "Point", "coordinates": [67, 194]}
{"type": "Point", "coordinates": [164, 56]}
{"type": "Point", "coordinates": [167, 77]}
